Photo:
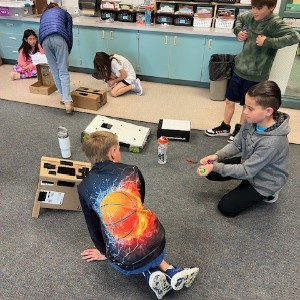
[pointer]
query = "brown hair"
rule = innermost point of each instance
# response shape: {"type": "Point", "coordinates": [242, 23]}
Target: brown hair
{"type": "Point", "coordinates": [261, 3]}
{"type": "Point", "coordinates": [97, 146]}
{"type": "Point", "coordinates": [102, 64]}
{"type": "Point", "coordinates": [51, 5]}
{"type": "Point", "coordinates": [266, 94]}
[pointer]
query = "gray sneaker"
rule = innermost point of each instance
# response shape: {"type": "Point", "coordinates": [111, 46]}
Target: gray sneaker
{"type": "Point", "coordinates": [138, 87]}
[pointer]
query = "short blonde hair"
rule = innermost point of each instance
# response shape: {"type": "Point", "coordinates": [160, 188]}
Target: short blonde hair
{"type": "Point", "coordinates": [97, 146]}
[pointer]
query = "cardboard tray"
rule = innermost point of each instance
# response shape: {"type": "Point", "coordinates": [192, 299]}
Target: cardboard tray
{"type": "Point", "coordinates": [39, 88]}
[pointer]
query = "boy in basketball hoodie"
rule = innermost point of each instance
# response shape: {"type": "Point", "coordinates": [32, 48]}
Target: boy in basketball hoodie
{"type": "Point", "coordinates": [123, 231]}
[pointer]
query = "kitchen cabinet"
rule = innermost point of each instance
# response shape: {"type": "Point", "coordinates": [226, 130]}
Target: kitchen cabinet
{"type": "Point", "coordinates": [173, 56]}
{"type": "Point", "coordinates": [11, 33]}
{"type": "Point", "coordinates": [111, 41]}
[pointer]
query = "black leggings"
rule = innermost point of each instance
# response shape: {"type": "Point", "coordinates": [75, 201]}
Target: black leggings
{"type": "Point", "coordinates": [241, 198]}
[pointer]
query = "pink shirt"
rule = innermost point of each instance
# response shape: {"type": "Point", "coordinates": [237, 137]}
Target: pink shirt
{"type": "Point", "coordinates": [23, 62]}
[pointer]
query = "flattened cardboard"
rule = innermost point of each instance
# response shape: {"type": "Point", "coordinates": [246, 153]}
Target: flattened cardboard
{"type": "Point", "coordinates": [89, 98]}
{"type": "Point", "coordinates": [180, 131]}
{"type": "Point", "coordinates": [58, 181]}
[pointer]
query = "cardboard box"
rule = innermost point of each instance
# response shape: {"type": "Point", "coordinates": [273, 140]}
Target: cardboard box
{"type": "Point", "coordinates": [89, 98]}
{"type": "Point", "coordinates": [174, 129]}
{"type": "Point", "coordinates": [39, 6]}
{"type": "Point", "coordinates": [45, 84]}
{"type": "Point", "coordinates": [58, 181]}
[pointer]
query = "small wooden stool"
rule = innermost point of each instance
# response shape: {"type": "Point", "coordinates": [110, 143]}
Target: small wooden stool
{"type": "Point", "coordinates": [57, 187]}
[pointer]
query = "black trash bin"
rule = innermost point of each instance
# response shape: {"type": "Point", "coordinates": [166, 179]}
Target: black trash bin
{"type": "Point", "coordinates": [220, 70]}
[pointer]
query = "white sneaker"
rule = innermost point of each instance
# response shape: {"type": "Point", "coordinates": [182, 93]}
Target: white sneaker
{"type": "Point", "coordinates": [273, 198]}
{"type": "Point", "coordinates": [157, 281]}
{"type": "Point", "coordinates": [138, 87]}
{"type": "Point", "coordinates": [178, 277]}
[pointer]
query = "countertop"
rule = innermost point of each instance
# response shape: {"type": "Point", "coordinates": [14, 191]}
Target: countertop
{"type": "Point", "coordinates": [97, 22]}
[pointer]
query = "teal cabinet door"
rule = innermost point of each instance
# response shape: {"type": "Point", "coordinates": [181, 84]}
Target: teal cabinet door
{"type": "Point", "coordinates": [31, 25]}
{"type": "Point", "coordinates": [125, 43]}
{"type": "Point", "coordinates": [218, 46]}
{"type": "Point", "coordinates": [11, 33]}
{"type": "Point", "coordinates": [186, 56]}
{"type": "Point", "coordinates": [91, 40]}
{"type": "Point", "coordinates": [75, 55]}
{"type": "Point", "coordinates": [154, 49]}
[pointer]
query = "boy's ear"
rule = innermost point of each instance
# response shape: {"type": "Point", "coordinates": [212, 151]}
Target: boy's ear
{"type": "Point", "coordinates": [112, 153]}
{"type": "Point", "coordinates": [270, 111]}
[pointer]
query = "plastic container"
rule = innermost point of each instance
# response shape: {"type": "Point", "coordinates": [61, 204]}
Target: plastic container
{"type": "Point", "coordinates": [162, 150]}
{"type": "Point", "coordinates": [64, 142]}
{"type": "Point", "coordinates": [148, 15]}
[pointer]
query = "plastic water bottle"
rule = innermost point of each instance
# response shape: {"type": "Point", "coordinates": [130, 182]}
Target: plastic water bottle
{"type": "Point", "coordinates": [162, 149]}
{"type": "Point", "coordinates": [148, 15]}
{"type": "Point", "coordinates": [64, 142]}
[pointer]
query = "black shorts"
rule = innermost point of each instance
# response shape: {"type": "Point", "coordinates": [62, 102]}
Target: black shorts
{"type": "Point", "coordinates": [238, 88]}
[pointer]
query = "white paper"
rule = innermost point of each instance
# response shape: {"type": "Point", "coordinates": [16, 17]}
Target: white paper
{"type": "Point", "coordinates": [39, 58]}
{"type": "Point", "coordinates": [176, 125]}
{"type": "Point", "coordinates": [54, 197]}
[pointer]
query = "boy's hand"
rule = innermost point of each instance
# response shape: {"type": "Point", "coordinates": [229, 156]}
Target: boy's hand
{"type": "Point", "coordinates": [92, 254]}
{"type": "Point", "coordinates": [242, 36]}
{"type": "Point", "coordinates": [208, 159]}
{"type": "Point", "coordinates": [204, 170]}
{"type": "Point", "coordinates": [260, 40]}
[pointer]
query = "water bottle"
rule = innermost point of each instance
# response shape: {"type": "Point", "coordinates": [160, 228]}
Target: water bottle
{"type": "Point", "coordinates": [148, 15]}
{"type": "Point", "coordinates": [64, 142]}
{"type": "Point", "coordinates": [162, 149]}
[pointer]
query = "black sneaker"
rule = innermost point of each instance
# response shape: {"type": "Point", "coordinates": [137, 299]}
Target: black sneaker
{"type": "Point", "coordinates": [235, 132]}
{"type": "Point", "coordinates": [222, 130]}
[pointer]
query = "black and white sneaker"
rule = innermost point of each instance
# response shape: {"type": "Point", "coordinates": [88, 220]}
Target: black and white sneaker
{"type": "Point", "coordinates": [157, 281]}
{"type": "Point", "coordinates": [235, 132]}
{"type": "Point", "coordinates": [273, 198]}
{"type": "Point", "coordinates": [222, 130]}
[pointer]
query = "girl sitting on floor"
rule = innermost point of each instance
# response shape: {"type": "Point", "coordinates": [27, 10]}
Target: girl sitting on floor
{"type": "Point", "coordinates": [24, 68]}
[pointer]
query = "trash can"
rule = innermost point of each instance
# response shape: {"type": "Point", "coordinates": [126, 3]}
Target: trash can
{"type": "Point", "coordinates": [220, 69]}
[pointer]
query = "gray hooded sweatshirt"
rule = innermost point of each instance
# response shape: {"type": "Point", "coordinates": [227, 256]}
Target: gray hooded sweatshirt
{"type": "Point", "coordinates": [264, 156]}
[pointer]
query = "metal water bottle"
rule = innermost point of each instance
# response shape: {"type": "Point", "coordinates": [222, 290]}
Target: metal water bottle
{"type": "Point", "coordinates": [64, 142]}
{"type": "Point", "coordinates": [162, 149]}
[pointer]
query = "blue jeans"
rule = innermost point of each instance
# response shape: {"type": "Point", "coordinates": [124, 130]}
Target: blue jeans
{"type": "Point", "coordinates": [57, 53]}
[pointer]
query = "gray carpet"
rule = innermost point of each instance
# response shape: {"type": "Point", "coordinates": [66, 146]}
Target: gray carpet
{"type": "Point", "coordinates": [253, 256]}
